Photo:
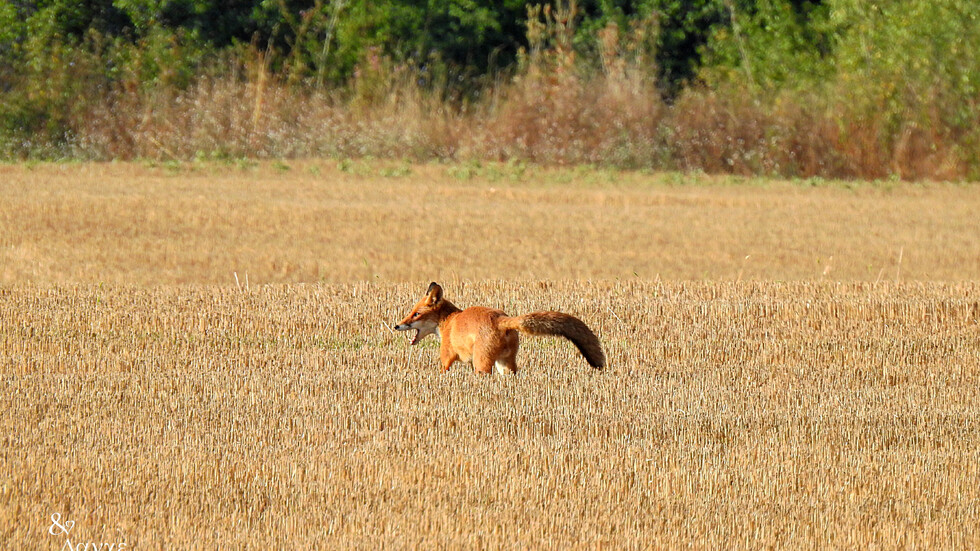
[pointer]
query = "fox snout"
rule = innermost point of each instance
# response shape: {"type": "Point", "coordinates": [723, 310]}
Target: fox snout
{"type": "Point", "coordinates": [422, 329]}
{"type": "Point", "coordinates": [402, 326]}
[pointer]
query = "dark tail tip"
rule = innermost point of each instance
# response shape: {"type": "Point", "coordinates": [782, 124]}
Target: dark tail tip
{"type": "Point", "coordinates": [592, 355]}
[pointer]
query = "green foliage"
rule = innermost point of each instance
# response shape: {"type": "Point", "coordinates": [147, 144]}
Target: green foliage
{"type": "Point", "coordinates": [772, 45]}
{"type": "Point", "coordinates": [911, 57]}
{"type": "Point", "coordinates": [323, 41]}
{"type": "Point", "coordinates": [463, 34]}
{"type": "Point", "coordinates": [892, 79]}
{"type": "Point", "coordinates": [673, 31]}
{"type": "Point", "coordinates": [897, 56]}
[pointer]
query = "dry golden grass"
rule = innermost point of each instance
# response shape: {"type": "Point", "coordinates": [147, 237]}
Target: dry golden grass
{"type": "Point", "coordinates": [314, 222]}
{"type": "Point", "coordinates": [733, 414]}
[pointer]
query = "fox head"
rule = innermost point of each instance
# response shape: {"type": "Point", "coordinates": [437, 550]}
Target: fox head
{"type": "Point", "coordinates": [426, 315]}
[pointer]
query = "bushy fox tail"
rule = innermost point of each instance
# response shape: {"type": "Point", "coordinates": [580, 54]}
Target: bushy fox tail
{"type": "Point", "coordinates": [562, 325]}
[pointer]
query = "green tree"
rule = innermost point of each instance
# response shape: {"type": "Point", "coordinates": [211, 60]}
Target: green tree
{"type": "Point", "coordinates": [911, 57]}
{"type": "Point", "coordinates": [770, 44]}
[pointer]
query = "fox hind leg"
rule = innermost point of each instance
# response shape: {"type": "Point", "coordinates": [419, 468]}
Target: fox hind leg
{"type": "Point", "coordinates": [495, 350]}
{"type": "Point", "coordinates": [507, 358]}
{"type": "Point", "coordinates": [505, 367]}
{"type": "Point", "coordinates": [486, 349]}
{"type": "Point", "coordinates": [483, 362]}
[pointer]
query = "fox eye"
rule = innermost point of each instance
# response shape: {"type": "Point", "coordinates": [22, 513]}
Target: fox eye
{"type": "Point", "coordinates": [415, 315]}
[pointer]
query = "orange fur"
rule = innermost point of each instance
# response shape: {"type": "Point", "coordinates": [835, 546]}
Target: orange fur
{"type": "Point", "coordinates": [486, 337]}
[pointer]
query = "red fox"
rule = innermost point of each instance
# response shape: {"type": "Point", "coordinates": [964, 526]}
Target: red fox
{"type": "Point", "coordinates": [487, 337]}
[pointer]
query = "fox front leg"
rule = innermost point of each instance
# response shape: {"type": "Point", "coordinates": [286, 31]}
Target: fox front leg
{"type": "Point", "coordinates": [447, 356]}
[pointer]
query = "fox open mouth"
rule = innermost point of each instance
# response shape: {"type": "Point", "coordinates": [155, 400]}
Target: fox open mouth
{"type": "Point", "coordinates": [421, 329]}
{"type": "Point", "coordinates": [415, 335]}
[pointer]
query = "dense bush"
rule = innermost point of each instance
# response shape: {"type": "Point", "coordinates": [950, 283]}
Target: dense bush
{"type": "Point", "coordinates": [791, 87]}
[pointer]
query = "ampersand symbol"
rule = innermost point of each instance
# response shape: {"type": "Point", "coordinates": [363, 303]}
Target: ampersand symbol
{"type": "Point", "coordinates": [62, 528]}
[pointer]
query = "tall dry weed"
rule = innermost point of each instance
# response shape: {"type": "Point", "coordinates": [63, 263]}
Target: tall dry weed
{"type": "Point", "coordinates": [804, 135]}
{"type": "Point", "coordinates": [255, 114]}
{"type": "Point", "coordinates": [553, 110]}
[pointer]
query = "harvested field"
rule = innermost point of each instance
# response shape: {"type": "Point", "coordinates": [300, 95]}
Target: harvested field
{"type": "Point", "coordinates": [133, 224]}
{"type": "Point", "coordinates": [155, 401]}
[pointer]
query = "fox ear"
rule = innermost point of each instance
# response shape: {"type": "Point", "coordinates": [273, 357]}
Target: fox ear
{"type": "Point", "coordinates": [434, 293]}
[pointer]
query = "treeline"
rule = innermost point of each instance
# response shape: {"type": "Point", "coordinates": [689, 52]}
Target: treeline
{"type": "Point", "coordinates": [836, 88]}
